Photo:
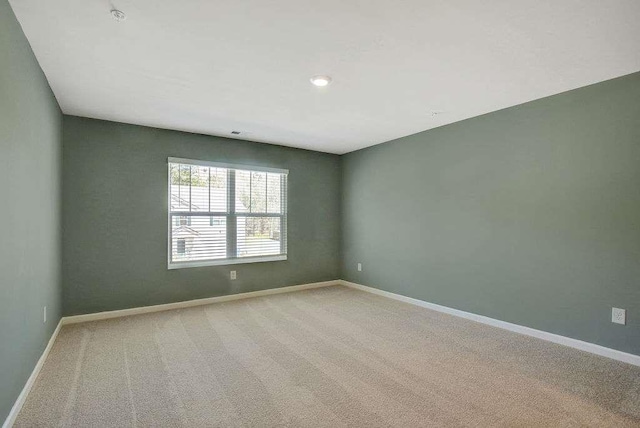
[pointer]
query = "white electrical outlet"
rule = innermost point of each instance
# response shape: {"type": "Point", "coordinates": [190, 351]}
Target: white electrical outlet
{"type": "Point", "coordinates": [618, 316]}
{"type": "Point", "coordinates": [233, 274]}
{"type": "Point", "coordinates": [359, 267]}
{"type": "Point", "coordinates": [44, 315]}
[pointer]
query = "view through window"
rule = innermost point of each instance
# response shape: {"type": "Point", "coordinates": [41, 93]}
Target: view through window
{"type": "Point", "coordinates": [223, 214]}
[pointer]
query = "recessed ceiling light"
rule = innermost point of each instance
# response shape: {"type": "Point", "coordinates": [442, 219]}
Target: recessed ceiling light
{"type": "Point", "coordinates": [118, 15]}
{"type": "Point", "coordinates": [320, 80]}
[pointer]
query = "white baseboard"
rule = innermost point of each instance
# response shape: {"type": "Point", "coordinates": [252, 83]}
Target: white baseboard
{"type": "Point", "coordinates": [551, 337]}
{"type": "Point", "coordinates": [190, 303]}
{"type": "Point", "coordinates": [13, 414]}
{"type": "Point", "coordinates": [562, 340]}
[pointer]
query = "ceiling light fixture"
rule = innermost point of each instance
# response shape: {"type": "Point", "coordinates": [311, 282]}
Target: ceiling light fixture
{"type": "Point", "coordinates": [118, 15]}
{"type": "Point", "coordinates": [320, 80]}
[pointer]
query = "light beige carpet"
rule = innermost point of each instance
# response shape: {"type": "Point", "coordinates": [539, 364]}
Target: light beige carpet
{"type": "Point", "coordinates": [328, 357]}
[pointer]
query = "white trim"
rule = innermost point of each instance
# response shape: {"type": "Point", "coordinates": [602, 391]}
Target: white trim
{"type": "Point", "coordinates": [551, 337]}
{"type": "Point", "coordinates": [227, 165]}
{"type": "Point", "coordinates": [190, 303]}
{"type": "Point", "coordinates": [224, 262]}
{"type": "Point", "coordinates": [17, 406]}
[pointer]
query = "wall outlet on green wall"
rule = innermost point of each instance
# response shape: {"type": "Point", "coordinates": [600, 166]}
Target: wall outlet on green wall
{"type": "Point", "coordinates": [618, 316]}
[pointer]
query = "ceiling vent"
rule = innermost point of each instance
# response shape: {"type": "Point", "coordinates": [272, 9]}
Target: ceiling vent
{"type": "Point", "coordinates": [235, 132]}
{"type": "Point", "coordinates": [118, 15]}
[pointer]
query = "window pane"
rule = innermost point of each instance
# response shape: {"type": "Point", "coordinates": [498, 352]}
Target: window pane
{"type": "Point", "coordinates": [243, 191]}
{"type": "Point", "coordinates": [218, 189]}
{"type": "Point", "coordinates": [198, 238]}
{"type": "Point", "coordinates": [258, 236]}
{"type": "Point", "coordinates": [199, 188]}
{"type": "Point", "coordinates": [273, 193]}
{"type": "Point", "coordinates": [258, 192]}
{"type": "Point", "coordinates": [180, 177]}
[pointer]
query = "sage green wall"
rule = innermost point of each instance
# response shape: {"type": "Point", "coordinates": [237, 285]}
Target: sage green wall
{"type": "Point", "coordinates": [30, 162]}
{"type": "Point", "coordinates": [115, 217]}
{"type": "Point", "coordinates": [529, 215]}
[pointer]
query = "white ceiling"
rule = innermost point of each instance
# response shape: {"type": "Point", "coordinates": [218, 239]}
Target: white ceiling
{"type": "Point", "coordinates": [213, 66]}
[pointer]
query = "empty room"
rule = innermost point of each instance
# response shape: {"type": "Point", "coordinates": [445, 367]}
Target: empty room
{"type": "Point", "coordinates": [320, 214]}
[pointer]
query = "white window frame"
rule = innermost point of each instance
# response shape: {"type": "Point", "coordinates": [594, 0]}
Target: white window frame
{"type": "Point", "coordinates": [230, 215]}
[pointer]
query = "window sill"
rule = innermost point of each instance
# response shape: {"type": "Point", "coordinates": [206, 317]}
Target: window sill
{"type": "Point", "coordinates": [224, 262]}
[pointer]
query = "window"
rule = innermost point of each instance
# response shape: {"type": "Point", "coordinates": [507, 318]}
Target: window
{"type": "Point", "coordinates": [224, 214]}
{"type": "Point", "coordinates": [182, 246]}
{"type": "Point", "coordinates": [182, 220]}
